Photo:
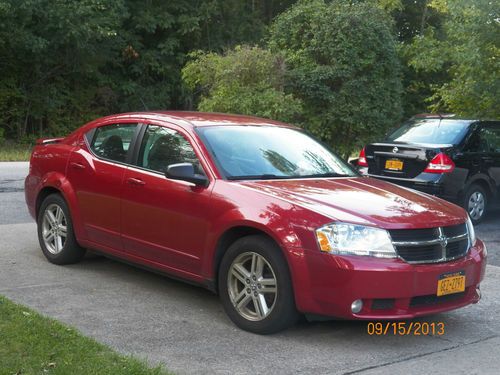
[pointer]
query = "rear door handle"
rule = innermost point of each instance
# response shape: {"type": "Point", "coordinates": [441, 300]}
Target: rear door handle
{"type": "Point", "coordinates": [135, 181]}
{"type": "Point", "coordinates": [77, 165]}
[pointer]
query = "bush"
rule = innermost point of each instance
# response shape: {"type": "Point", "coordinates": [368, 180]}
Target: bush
{"type": "Point", "coordinates": [244, 80]}
{"type": "Point", "coordinates": [343, 66]}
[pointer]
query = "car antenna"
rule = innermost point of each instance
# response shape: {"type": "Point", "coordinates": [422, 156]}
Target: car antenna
{"type": "Point", "coordinates": [440, 119]}
{"type": "Point", "coordinates": [144, 104]}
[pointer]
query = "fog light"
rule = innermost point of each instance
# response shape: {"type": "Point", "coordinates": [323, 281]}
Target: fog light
{"type": "Point", "coordinates": [356, 306]}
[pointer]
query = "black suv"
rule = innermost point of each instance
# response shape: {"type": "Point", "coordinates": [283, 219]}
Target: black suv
{"type": "Point", "coordinates": [455, 159]}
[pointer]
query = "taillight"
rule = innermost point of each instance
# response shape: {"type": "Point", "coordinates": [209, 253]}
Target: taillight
{"type": "Point", "coordinates": [441, 163]}
{"type": "Point", "coordinates": [362, 159]}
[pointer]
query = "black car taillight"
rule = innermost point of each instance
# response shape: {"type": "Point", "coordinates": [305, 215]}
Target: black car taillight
{"type": "Point", "coordinates": [441, 163]}
{"type": "Point", "coordinates": [362, 159]}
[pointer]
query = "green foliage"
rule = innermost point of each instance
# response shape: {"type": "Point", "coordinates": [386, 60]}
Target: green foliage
{"type": "Point", "coordinates": [344, 67]}
{"type": "Point", "coordinates": [227, 23]}
{"type": "Point", "coordinates": [245, 80]}
{"type": "Point", "coordinates": [468, 49]}
{"type": "Point", "coordinates": [332, 66]}
{"type": "Point", "coordinates": [13, 151]}
{"type": "Point", "coordinates": [51, 52]}
{"type": "Point", "coordinates": [65, 62]}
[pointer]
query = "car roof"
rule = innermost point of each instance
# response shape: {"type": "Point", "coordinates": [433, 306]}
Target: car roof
{"type": "Point", "coordinates": [191, 119]}
{"type": "Point", "coordinates": [449, 117]}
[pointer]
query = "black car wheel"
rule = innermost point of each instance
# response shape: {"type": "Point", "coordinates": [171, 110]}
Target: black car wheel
{"type": "Point", "coordinates": [255, 286]}
{"type": "Point", "coordinates": [476, 203]}
{"type": "Point", "coordinates": [55, 232]}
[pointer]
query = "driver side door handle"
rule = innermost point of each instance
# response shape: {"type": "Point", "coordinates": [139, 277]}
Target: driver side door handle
{"type": "Point", "coordinates": [135, 181]}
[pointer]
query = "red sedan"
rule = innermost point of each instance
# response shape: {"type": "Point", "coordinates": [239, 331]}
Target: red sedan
{"type": "Point", "coordinates": [255, 210]}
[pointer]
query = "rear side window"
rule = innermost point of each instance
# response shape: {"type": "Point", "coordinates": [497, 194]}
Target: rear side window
{"type": "Point", "coordinates": [113, 141]}
{"type": "Point", "coordinates": [162, 147]}
{"type": "Point", "coordinates": [490, 136]}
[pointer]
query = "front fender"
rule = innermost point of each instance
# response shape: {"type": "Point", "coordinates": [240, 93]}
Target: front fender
{"type": "Point", "coordinates": [280, 230]}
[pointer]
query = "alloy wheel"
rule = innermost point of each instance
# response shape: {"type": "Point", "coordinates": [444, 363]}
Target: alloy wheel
{"type": "Point", "coordinates": [252, 286]}
{"type": "Point", "coordinates": [54, 228]}
{"type": "Point", "coordinates": [476, 205]}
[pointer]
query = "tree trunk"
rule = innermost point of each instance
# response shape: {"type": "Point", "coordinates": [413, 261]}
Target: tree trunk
{"type": "Point", "coordinates": [424, 19]}
{"type": "Point", "coordinates": [21, 128]}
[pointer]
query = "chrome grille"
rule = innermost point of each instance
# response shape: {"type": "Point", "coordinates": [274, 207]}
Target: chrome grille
{"type": "Point", "coordinates": [431, 245]}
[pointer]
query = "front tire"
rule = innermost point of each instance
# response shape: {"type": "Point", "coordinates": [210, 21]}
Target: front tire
{"type": "Point", "coordinates": [476, 203]}
{"type": "Point", "coordinates": [55, 232]}
{"type": "Point", "coordinates": [255, 286]}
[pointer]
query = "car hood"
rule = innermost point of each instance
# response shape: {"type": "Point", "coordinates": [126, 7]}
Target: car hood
{"type": "Point", "coordinates": [365, 201]}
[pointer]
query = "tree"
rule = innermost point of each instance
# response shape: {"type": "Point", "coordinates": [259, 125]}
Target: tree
{"type": "Point", "coordinates": [64, 62]}
{"type": "Point", "coordinates": [468, 49]}
{"type": "Point", "coordinates": [245, 80]}
{"type": "Point", "coordinates": [343, 66]}
{"type": "Point", "coordinates": [51, 55]}
{"type": "Point", "coordinates": [227, 23]}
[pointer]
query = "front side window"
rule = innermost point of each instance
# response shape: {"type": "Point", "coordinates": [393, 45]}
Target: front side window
{"type": "Point", "coordinates": [162, 147]}
{"type": "Point", "coordinates": [113, 141]}
{"type": "Point", "coordinates": [266, 152]}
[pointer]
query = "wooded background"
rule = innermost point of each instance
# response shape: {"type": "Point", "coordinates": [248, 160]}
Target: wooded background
{"type": "Point", "coordinates": [345, 70]}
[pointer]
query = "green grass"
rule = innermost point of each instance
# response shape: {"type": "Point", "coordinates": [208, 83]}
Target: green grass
{"type": "Point", "coordinates": [34, 344]}
{"type": "Point", "coordinates": [14, 152]}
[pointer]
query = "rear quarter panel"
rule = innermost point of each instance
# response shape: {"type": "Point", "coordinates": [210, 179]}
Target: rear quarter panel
{"type": "Point", "coordinates": [47, 169]}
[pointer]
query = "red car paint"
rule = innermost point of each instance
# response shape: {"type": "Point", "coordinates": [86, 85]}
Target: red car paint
{"type": "Point", "coordinates": [181, 229]}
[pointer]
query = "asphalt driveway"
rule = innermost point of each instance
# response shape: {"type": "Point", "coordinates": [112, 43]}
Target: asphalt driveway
{"type": "Point", "coordinates": [185, 328]}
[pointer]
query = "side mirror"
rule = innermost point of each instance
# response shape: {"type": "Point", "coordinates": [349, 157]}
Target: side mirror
{"type": "Point", "coordinates": [354, 162]}
{"type": "Point", "coordinates": [185, 172]}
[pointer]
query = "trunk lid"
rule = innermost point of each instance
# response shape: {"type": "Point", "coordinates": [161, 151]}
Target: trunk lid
{"type": "Point", "coordinates": [401, 160]}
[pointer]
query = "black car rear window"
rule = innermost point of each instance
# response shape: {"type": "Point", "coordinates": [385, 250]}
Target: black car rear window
{"type": "Point", "coordinates": [431, 131]}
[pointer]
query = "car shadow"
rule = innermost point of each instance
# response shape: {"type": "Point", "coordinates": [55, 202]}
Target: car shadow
{"type": "Point", "coordinates": [191, 297]}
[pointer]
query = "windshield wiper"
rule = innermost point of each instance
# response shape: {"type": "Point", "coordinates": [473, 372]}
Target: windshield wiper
{"type": "Point", "coordinates": [281, 177]}
{"type": "Point", "coordinates": [260, 177]}
{"type": "Point", "coordinates": [330, 174]}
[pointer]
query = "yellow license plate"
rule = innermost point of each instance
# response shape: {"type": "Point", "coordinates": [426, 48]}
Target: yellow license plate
{"type": "Point", "coordinates": [394, 165]}
{"type": "Point", "coordinates": [450, 283]}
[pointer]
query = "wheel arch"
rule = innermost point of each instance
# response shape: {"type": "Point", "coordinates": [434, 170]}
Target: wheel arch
{"type": "Point", "coordinates": [57, 183]}
{"type": "Point", "coordinates": [227, 238]}
{"type": "Point", "coordinates": [44, 193]}
{"type": "Point", "coordinates": [482, 182]}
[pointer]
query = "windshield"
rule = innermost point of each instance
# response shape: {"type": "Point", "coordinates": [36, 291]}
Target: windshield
{"type": "Point", "coordinates": [432, 131]}
{"type": "Point", "coordinates": [267, 152]}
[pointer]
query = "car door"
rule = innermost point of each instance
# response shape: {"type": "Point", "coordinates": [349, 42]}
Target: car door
{"type": "Point", "coordinates": [490, 135]}
{"type": "Point", "coordinates": [96, 171]}
{"type": "Point", "coordinates": [165, 221]}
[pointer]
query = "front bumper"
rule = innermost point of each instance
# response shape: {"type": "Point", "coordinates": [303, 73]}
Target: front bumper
{"type": "Point", "coordinates": [327, 284]}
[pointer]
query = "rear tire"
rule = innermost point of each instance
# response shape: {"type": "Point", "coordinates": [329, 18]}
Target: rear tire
{"type": "Point", "coordinates": [255, 286]}
{"type": "Point", "coordinates": [476, 203]}
{"type": "Point", "coordinates": [55, 232]}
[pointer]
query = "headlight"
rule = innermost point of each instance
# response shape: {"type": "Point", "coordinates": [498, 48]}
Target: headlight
{"type": "Point", "coordinates": [471, 231]}
{"type": "Point", "coordinates": [351, 239]}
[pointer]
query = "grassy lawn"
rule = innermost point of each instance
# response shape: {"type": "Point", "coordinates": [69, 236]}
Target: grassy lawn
{"type": "Point", "coordinates": [14, 152]}
{"type": "Point", "coordinates": [33, 344]}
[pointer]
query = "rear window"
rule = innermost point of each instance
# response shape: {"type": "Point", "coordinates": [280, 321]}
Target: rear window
{"type": "Point", "coordinates": [431, 131]}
